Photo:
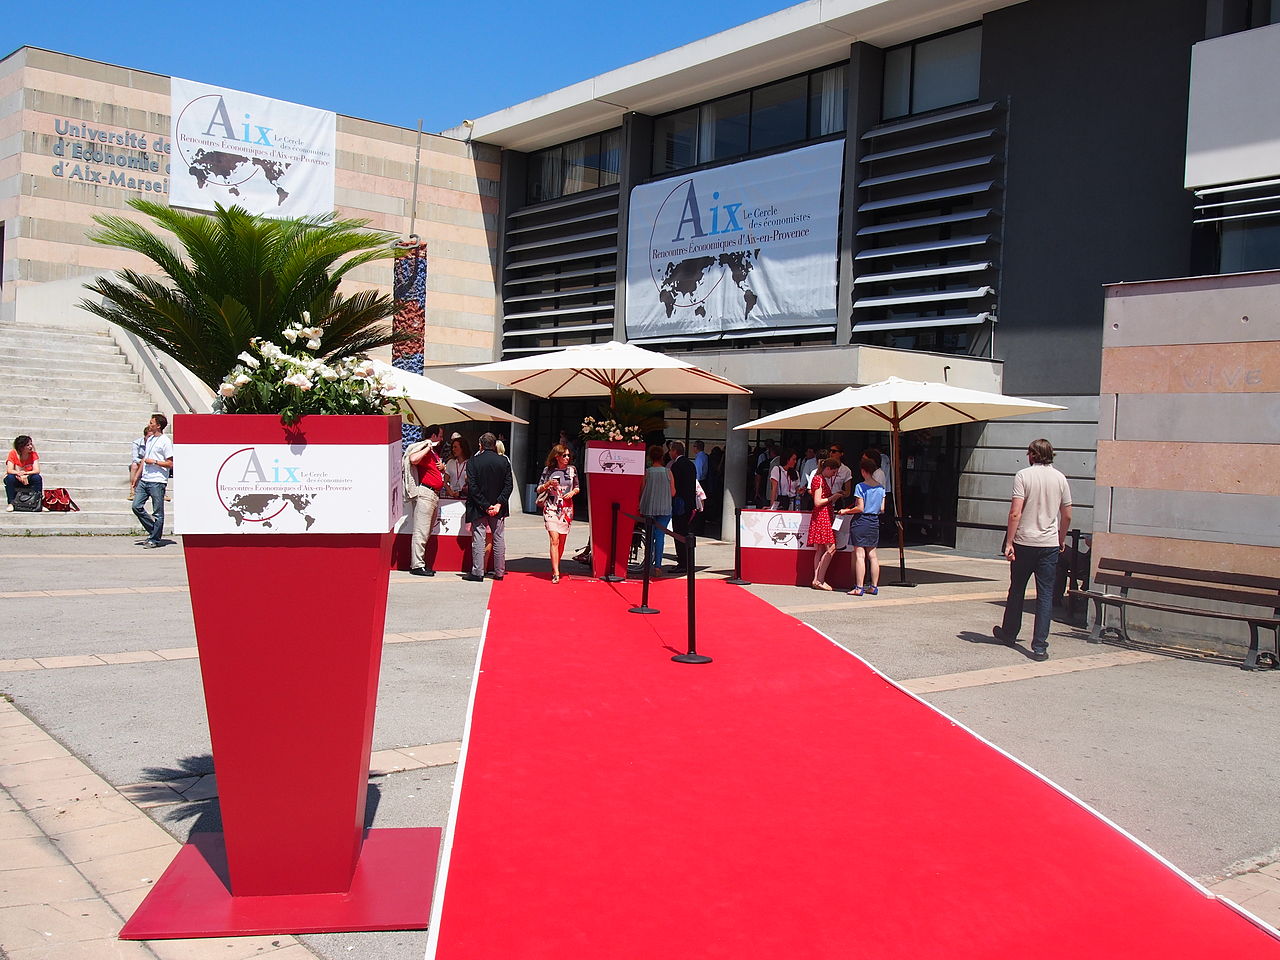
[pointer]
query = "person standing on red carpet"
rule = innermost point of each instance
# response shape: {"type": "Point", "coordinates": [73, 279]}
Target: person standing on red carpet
{"type": "Point", "coordinates": [556, 490]}
{"type": "Point", "coordinates": [489, 484]}
{"type": "Point", "coordinates": [423, 482]}
{"type": "Point", "coordinates": [821, 537]}
{"type": "Point", "coordinates": [683, 502]}
{"type": "Point", "coordinates": [1039, 516]}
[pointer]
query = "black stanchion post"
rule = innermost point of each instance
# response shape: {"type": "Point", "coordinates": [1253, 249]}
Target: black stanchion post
{"type": "Point", "coordinates": [648, 555]}
{"type": "Point", "coordinates": [612, 577]}
{"type": "Point", "coordinates": [692, 656]}
{"type": "Point", "coordinates": [736, 579]}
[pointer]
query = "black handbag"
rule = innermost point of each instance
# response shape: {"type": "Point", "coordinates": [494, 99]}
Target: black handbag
{"type": "Point", "coordinates": [27, 499]}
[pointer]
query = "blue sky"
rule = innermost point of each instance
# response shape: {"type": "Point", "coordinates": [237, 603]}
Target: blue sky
{"type": "Point", "coordinates": [442, 62]}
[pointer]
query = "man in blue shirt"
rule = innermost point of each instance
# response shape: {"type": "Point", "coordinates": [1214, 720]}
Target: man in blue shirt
{"type": "Point", "coordinates": [701, 461]}
{"type": "Point", "coordinates": [157, 461]}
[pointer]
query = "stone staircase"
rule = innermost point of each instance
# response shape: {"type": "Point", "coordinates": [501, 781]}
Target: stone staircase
{"type": "Point", "coordinates": [82, 403]}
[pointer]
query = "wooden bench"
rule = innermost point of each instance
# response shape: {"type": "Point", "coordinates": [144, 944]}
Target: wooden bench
{"type": "Point", "coordinates": [1160, 581]}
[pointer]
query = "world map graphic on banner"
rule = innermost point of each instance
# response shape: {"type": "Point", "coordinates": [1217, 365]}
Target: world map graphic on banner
{"type": "Point", "coordinates": [749, 245]}
{"type": "Point", "coordinates": [268, 156]}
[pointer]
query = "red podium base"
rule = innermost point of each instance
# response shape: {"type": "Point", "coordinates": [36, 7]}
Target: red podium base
{"type": "Point", "coordinates": [391, 890]}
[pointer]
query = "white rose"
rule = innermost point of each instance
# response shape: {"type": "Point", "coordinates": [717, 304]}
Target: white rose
{"type": "Point", "coordinates": [228, 389]}
{"type": "Point", "coordinates": [298, 380]}
{"type": "Point", "coordinates": [241, 380]}
{"type": "Point", "coordinates": [249, 360]}
{"type": "Point", "coordinates": [313, 344]}
{"type": "Point", "coordinates": [291, 334]}
{"type": "Point", "coordinates": [329, 373]}
{"type": "Point", "coordinates": [313, 333]}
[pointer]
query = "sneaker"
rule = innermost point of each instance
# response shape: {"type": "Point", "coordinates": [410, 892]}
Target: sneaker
{"type": "Point", "coordinates": [9, 508]}
{"type": "Point", "coordinates": [422, 572]}
{"type": "Point", "coordinates": [1039, 652]}
{"type": "Point", "coordinates": [472, 578]}
{"type": "Point", "coordinates": [998, 632]}
{"type": "Point", "coordinates": [151, 544]}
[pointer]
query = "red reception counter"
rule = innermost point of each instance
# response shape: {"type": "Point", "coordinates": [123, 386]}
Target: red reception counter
{"type": "Point", "coordinates": [775, 549]}
{"type": "Point", "coordinates": [449, 546]}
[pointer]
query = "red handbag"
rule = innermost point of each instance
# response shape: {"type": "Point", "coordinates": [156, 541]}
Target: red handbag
{"type": "Point", "coordinates": [59, 500]}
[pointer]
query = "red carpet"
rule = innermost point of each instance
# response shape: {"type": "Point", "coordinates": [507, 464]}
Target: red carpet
{"type": "Point", "coordinates": [785, 801]}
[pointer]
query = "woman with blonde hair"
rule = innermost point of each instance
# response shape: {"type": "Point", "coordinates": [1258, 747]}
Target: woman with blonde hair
{"type": "Point", "coordinates": [556, 490]}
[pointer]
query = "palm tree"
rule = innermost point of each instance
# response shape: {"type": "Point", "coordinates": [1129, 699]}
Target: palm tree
{"type": "Point", "coordinates": [234, 276]}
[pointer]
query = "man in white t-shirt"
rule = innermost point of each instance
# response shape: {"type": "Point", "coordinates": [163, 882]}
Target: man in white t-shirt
{"type": "Point", "coordinates": [157, 462]}
{"type": "Point", "coordinates": [1039, 516]}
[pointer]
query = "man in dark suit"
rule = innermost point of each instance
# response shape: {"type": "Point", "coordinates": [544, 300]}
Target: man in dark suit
{"type": "Point", "coordinates": [683, 501]}
{"type": "Point", "coordinates": [489, 485]}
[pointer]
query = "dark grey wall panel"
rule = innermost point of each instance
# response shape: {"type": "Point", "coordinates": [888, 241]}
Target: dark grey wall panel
{"type": "Point", "coordinates": [1199, 417]}
{"type": "Point", "coordinates": [981, 486]}
{"type": "Point", "coordinates": [1097, 135]}
{"type": "Point", "coordinates": [1189, 515]}
{"type": "Point", "coordinates": [1232, 309]}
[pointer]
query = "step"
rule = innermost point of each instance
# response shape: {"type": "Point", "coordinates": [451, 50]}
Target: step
{"type": "Point", "coordinates": [81, 422]}
{"type": "Point", "coordinates": [26, 380]}
{"type": "Point", "coordinates": [54, 452]}
{"type": "Point", "coordinates": [73, 393]}
{"type": "Point", "coordinates": [25, 409]}
{"type": "Point", "coordinates": [27, 333]}
{"type": "Point", "coordinates": [83, 523]}
{"type": "Point", "coordinates": [68, 362]}
{"type": "Point", "coordinates": [55, 349]}
{"type": "Point", "coordinates": [120, 434]}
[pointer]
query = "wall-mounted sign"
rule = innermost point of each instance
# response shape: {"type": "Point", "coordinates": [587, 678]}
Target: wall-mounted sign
{"type": "Point", "coordinates": [268, 156]}
{"type": "Point", "coordinates": [746, 246]}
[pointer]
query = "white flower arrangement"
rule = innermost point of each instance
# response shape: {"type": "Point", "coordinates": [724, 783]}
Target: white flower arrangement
{"type": "Point", "coordinates": [294, 382]}
{"type": "Point", "coordinates": [593, 429]}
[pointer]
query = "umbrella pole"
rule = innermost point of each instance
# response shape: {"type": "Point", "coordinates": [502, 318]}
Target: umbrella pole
{"type": "Point", "coordinates": [896, 443]}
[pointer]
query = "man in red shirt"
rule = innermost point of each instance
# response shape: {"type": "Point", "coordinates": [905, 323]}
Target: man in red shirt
{"type": "Point", "coordinates": [423, 482]}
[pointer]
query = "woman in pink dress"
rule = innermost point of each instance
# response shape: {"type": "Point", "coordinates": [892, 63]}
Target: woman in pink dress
{"type": "Point", "coordinates": [821, 537]}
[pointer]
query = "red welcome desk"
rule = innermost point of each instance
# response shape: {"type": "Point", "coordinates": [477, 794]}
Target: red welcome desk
{"type": "Point", "coordinates": [775, 549]}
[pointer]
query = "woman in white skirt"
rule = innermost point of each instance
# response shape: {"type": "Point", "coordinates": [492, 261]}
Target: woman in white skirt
{"type": "Point", "coordinates": [556, 490]}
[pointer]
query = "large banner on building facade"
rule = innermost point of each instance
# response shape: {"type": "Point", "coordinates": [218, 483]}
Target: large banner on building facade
{"type": "Point", "coordinates": [746, 246]}
{"type": "Point", "coordinates": [268, 156]}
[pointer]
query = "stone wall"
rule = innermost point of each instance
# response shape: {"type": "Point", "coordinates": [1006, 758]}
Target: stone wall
{"type": "Point", "coordinates": [46, 210]}
{"type": "Point", "coordinates": [1188, 467]}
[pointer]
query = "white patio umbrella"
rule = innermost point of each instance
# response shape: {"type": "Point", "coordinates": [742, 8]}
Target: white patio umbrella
{"type": "Point", "coordinates": [430, 401]}
{"type": "Point", "coordinates": [599, 369]}
{"type": "Point", "coordinates": [900, 405]}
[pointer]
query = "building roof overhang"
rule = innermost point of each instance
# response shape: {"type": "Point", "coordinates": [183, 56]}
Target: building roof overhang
{"type": "Point", "coordinates": [799, 38]}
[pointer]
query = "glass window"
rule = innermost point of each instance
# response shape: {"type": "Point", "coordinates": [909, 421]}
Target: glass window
{"type": "Point", "coordinates": [945, 70]}
{"type": "Point", "coordinates": [610, 157]}
{"type": "Point", "coordinates": [581, 170]}
{"type": "Point", "coordinates": [778, 113]}
{"type": "Point", "coordinates": [827, 101]}
{"type": "Point", "coordinates": [1250, 245]}
{"type": "Point", "coordinates": [897, 82]}
{"type": "Point", "coordinates": [675, 141]}
{"type": "Point", "coordinates": [932, 73]}
{"type": "Point", "coordinates": [723, 128]}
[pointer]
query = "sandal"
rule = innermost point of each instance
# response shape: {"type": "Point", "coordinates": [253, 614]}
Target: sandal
{"type": "Point", "coordinates": [855, 592]}
{"type": "Point", "coordinates": [555, 578]}
{"type": "Point", "coordinates": [821, 586]}
{"type": "Point", "coordinates": [872, 591]}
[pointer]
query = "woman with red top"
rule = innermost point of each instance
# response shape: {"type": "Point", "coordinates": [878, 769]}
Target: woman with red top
{"type": "Point", "coordinates": [821, 537]}
{"type": "Point", "coordinates": [21, 468]}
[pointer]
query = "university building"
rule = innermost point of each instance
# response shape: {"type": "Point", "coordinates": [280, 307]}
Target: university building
{"type": "Point", "coordinates": [955, 186]}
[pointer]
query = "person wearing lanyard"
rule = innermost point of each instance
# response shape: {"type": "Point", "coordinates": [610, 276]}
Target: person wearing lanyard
{"type": "Point", "coordinates": [157, 461]}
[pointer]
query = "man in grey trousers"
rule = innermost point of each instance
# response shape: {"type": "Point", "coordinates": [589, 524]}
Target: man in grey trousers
{"type": "Point", "coordinates": [489, 484]}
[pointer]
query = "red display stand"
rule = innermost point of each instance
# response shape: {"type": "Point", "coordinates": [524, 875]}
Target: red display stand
{"type": "Point", "coordinates": [773, 548]}
{"type": "Point", "coordinates": [289, 628]}
{"type": "Point", "coordinates": [615, 474]}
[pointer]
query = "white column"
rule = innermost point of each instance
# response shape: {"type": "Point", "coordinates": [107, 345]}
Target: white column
{"type": "Point", "coordinates": [735, 465]}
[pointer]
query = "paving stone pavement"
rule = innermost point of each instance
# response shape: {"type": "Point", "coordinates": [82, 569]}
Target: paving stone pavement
{"type": "Point", "coordinates": [105, 765]}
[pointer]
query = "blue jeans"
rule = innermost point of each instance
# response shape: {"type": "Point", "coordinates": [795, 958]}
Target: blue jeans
{"type": "Point", "coordinates": [1043, 562]}
{"type": "Point", "coordinates": [12, 484]}
{"type": "Point", "coordinates": [659, 539]}
{"type": "Point", "coordinates": [153, 523]}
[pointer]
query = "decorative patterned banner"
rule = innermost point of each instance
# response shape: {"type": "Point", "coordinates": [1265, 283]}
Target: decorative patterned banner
{"type": "Point", "coordinates": [268, 156]}
{"type": "Point", "coordinates": [747, 246]}
{"type": "Point", "coordinates": [409, 287]}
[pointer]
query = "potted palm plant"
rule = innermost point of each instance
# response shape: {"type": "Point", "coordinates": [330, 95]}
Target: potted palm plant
{"type": "Point", "coordinates": [288, 499]}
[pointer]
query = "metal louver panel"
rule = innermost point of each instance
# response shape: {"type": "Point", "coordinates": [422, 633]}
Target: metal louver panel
{"type": "Point", "coordinates": [948, 274]}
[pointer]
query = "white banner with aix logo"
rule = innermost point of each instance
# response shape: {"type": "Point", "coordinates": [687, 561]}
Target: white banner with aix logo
{"type": "Point", "coordinates": [287, 488]}
{"type": "Point", "coordinates": [750, 245]}
{"type": "Point", "coordinates": [269, 156]}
